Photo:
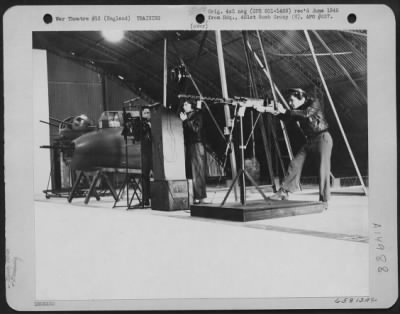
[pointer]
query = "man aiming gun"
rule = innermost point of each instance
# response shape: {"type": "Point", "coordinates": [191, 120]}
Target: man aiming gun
{"type": "Point", "coordinates": [308, 112]}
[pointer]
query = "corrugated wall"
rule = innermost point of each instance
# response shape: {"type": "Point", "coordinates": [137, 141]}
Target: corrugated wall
{"type": "Point", "coordinates": [116, 94]}
{"type": "Point", "coordinates": [73, 89]}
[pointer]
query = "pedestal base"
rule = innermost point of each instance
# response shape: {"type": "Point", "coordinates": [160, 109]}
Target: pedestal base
{"type": "Point", "coordinates": [256, 210]}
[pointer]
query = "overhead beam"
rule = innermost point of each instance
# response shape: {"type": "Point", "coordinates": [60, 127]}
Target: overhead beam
{"type": "Point", "coordinates": [238, 71]}
{"type": "Point", "coordinates": [144, 45]}
{"type": "Point", "coordinates": [309, 54]}
{"type": "Point", "coordinates": [117, 56]}
{"type": "Point", "coordinates": [353, 43]}
{"type": "Point", "coordinates": [298, 66]}
{"type": "Point", "coordinates": [340, 66]}
{"type": "Point", "coordinates": [354, 33]}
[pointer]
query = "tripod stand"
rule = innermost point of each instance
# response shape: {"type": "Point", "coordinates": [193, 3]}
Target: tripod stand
{"type": "Point", "coordinates": [131, 176]}
{"type": "Point", "coordinates": [242, 173]}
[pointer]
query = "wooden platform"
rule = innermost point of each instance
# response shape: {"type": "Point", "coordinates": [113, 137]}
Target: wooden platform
{"type": "Point", "coordinates": [256, 210]}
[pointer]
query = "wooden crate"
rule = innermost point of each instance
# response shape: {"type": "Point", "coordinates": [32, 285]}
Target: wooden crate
{"type": "Point", "coordinates": [170, 195]}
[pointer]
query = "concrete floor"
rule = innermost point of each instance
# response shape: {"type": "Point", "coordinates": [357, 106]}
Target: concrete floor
{"type": "Point", "coordinates": [96, 252]}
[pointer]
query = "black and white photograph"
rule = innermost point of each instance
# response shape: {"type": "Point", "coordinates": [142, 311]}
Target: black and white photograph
{"type": "Point", "coordinates": [216, 157]}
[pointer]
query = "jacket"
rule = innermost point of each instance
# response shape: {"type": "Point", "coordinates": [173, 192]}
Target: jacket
{"type": "Point", "coordinates": [192, 127]}
{"type": "Point", "coordinates": [312, 119]}
{"type": "Point", "coordinates": [146, 137]}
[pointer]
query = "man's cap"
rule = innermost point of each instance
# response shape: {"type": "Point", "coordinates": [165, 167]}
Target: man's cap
{"type": "Point", "coordinates": [298, 92]}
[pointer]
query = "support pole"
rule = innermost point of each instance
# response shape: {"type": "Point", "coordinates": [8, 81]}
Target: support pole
{"type": "Point", "coordinates": [165, 73]}
{"type": "Point", "coordinates": [271, 82]}
{"type": "Point", "coordinates": [287, 140]}
{"type": "Point", "coordinates": [242, 177]}
{"type": "Point", "coordinates": [340, 66]}
{"type": "Point", "coordinates": [265, 138]}
{"type": "Point", "coordinates": [224, 87]}
{"type": "Point", "coordinates": [261, 125]}
{"type": "Point", "coordinates": [334, 111]}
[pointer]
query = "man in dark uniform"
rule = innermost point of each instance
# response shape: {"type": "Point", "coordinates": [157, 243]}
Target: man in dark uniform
{"type": "Point", "coordinates": [147, 155]}
{"type": "Point", "coordinates": [308, 112]}
{"type": "Point", "coordinates": [195, 151]}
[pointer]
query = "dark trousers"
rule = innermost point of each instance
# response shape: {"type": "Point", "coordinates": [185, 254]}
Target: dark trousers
{"type": "Point", "coordinates": [147, 165]}
{"type": "Point", "coordinates": [196, 157]}
{"type": "Point", "coordinates": [322, 146]}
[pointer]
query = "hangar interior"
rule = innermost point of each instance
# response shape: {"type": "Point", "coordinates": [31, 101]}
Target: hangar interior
{"type": "Point", "coordinates": [89, 74]}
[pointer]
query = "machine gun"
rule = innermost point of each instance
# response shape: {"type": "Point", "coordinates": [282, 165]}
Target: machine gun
{"type": "Point", "coordinates": [243, 102]}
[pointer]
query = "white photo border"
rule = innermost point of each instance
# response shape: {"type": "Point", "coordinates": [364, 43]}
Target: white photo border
{"type": "Point", "coordinates": [21, 21]}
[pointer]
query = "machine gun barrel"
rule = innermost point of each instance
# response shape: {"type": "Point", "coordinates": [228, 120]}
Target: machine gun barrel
{"type": "Point", "coordinates": [243, 101]}
{"type": "Point", "coordinates": [212, 99]}
{"type": "Point", "coordinates": [49, 123]}
{"type": "Point", "coordinates": [60, 121]}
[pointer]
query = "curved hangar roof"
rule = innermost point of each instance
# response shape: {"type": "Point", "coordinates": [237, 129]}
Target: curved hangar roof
{"type": "Point", "coordinates": [138, 59]}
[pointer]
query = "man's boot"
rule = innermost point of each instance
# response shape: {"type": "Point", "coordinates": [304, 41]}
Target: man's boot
{"type": "Point", "coordinates": [281, 195]}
